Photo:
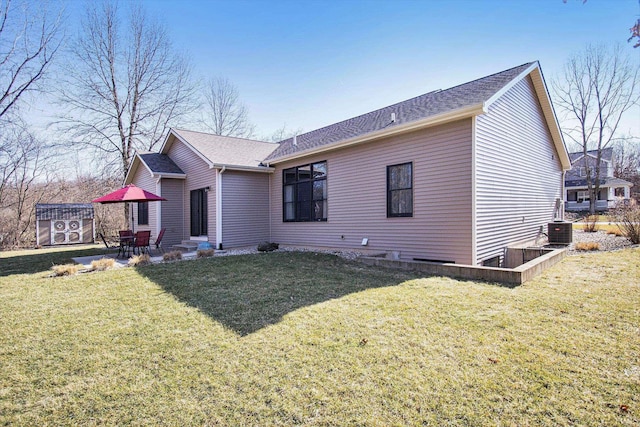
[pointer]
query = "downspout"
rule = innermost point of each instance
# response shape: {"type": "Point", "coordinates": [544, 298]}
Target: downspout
{"type": "Point", "coordinates": [270, 234]}
{"type": "Point", "coordinates": [219, 173]}
{"type": "Point", "coordinates": [563, 195]}
{"type": "Point", "coordinates": [474, 216]}
{"type": "Point", "coordinates": [158, 206]}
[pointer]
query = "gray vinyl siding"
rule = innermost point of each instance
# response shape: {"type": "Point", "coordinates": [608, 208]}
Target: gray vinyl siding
{"type": "Point", "coordinates": [143, 179]}
{"type": "Point", "coordinates": [245, 208]}
{"type": "Point", "coordinates": [199, 175]}
{"type": "Point", "coordinates": [518, 174]}
{"type": "Point", "coordinates": [441, 226]}
{"type": "Point", "coordinates": [87, 230]}
{"type": "Point", "coordinates": [172, 211]}
{"type": "Point", "coordinates": [44, 232]}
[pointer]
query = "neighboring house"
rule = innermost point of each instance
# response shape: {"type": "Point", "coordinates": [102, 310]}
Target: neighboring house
{"type": "Point", "coordinates": [612, 190]}
{"type": "Point", "coordinates": [452, 175]}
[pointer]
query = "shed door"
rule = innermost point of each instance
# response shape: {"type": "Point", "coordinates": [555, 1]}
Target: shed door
{"type": "Point", "coordinates": [199, 212]}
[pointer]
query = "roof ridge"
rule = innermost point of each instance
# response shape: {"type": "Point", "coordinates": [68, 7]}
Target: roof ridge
{"type": "Point", "coordinates": [222, 136]}
{"type": "Point", "coordinates": [491, 75]}
{"type": "Point", "coordinates": [433, 92]}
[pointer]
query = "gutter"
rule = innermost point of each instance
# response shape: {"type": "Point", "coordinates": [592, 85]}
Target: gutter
{"type": "Point", "coordinates": [461, 113]}
{"type": "Point", "coordinates": [219, 173]}
{"type": "Point", "coordinates": [241, 168]}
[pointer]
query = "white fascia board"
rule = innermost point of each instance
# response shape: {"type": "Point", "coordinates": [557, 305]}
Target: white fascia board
{"type": "Point", "coordinates": [461, 113]}
{"type": "Point", "coordinates": [509, 85]}
{"type": "Point", "coordinates": [133, 167]}
{"type": "Point", "coordinates": [130, 171]}
{"type": "Point", "coordinates": [170, 175]}
{"type": "Point", "coordinates": [262, 169]}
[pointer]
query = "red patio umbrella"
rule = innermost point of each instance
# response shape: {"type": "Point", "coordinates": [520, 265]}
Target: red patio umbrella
{"type": "Point", "coordinates": [129, 193]}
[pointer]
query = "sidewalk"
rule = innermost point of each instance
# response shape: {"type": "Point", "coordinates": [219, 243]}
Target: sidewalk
{"type": "Point", "coordinates": [123, 262]}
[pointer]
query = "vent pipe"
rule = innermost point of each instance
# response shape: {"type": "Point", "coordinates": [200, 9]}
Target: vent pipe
{"type": "Point", "coordinates": [393, 117]}
{"type": "Point", "coordinates": [295, 140]}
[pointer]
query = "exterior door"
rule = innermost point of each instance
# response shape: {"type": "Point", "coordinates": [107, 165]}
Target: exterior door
{"type": "Point", "coordinates": [199, 212]}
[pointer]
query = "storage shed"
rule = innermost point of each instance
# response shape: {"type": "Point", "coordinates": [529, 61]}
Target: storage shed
{"type": "Point", "coordinates": [64, 223]}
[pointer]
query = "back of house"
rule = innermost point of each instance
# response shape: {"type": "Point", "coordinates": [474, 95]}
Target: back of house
{"type": "Point", "coordinates": [453, 175]}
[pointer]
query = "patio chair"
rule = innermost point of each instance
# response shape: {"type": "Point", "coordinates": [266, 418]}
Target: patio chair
{"type": "Point", "coordinates": [126, 240]}
{"type": "Point", "coordinates": [141, 242]}
{"type": "Point", "coordinates": [158, 242]}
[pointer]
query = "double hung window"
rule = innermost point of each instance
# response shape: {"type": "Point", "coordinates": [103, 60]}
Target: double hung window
{"type": "Point", "coordinates": [305, 193]}
{"type": "Point", "coordinates": [400, 190]}
{"type": "Point", "coordinates": [143, 213]}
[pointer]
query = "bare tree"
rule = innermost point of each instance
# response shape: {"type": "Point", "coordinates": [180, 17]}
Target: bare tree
{"type": "Point", "coordinates": [127, 86]}
{"type": "Point", "coordinates": [597, 88]}
{"type": "Point", "coordinates": [29, 40]}
{"type": "Point", "coordinates": [627, 163]}
{"type": "Point", "coordinates": [25, 164]}
{"type": "Point", "coordinates": [225, 114]}
{"type": "Point", "coordinates": [282, 133]}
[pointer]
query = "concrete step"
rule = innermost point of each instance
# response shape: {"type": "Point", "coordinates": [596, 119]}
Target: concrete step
{"type": "Point", "coordinates": [186, 246]}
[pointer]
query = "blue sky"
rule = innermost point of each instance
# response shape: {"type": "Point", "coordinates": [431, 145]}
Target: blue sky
{"type": "Point", "coordinates": [313, 63]}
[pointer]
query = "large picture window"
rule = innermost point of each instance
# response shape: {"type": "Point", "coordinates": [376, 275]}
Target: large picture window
{"type": "Point", "coordinates": [304, 193]}
{"type": "Point", "coordinates": [143, 213]}
{"type": "Point", "coordinates": [400, 190]}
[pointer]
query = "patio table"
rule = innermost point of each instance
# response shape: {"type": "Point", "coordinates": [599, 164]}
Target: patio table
{"type": "Point", "coordinates": [127, 240]}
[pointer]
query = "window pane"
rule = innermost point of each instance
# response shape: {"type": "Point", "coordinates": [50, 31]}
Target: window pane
{"type": "Point", "coordinates": [319, 190]}
{"type": "Point", "coordinates": [405, 201]}
{"type": "Point", "coordinates": [288, 193]}
{"type": "Point", "coordinates": [304, 191]}
{"type": "Point", "coordinates": [304, 172]}
{"type": "Point", "coordinates": [320, 210]}
{"type": "Point", "coordinates": [400, 176]}
{"type": "Point", "coordinates": [290, 176]}
{"type": "Point", "coordinates": [304, 211]}
{"type": "Point", "coordinates": [289, 211]}
{"type": "Point", "coordinates": [320, 170]}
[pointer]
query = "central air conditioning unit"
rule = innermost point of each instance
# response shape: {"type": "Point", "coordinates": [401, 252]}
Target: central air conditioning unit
{"type": "Point", "coordinates": [560, 233]}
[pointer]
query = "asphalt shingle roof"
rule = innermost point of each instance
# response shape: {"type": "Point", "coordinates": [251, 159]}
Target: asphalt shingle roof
{"type": "Point", "coordinates": [420, 107]}
{"type": "Point", "coordinates": [607, 154]}
{"type": "Point", "coordinates": [53, 211]}
{"type": "Point", "coordinates": [160, 163]}
{"type": "Point", "coordinates": [226, 150]}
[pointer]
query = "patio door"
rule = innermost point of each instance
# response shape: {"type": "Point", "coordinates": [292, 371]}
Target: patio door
{"type": "Point", "coordinates": [199, 212]}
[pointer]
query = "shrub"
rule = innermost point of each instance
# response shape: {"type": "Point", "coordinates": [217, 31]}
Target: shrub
{"type": "Point", "coordinates": [587, 246]}
{"type": "Point", "coordinates": [65, 270]}
{"type": "Point", "coordinates": [590, 224]}
{"type": "Point", "coordinates": [102, 264]}
{"type": "Point", "coordinates": [172, 256]}
{"type": "Point", "coordinates": [205, 253]}
{"type": "Point", "coordinates": [628, 219]}
{"type": "Point", "coordinates": [139, 260]}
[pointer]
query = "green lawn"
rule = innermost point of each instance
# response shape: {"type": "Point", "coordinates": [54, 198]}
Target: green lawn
{"type": "Point", "coordinates": [302, 338]}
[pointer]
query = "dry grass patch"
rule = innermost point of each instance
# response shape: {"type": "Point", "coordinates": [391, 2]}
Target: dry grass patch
{"type": "Point", "coordinates": [103, 264]}
{"type": "Point", "coordinates": [615, 231]}
{"type": "Point", "coordinates": [172, 256]}
{"type": "Point", "coordinates": [587, 246]}
{"type": "Point", "coordinates": [65, 269]}
{"type": "Point", "coordinates": [205, 253]}
{"type": "Point", "coordinates": [139, 260]}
